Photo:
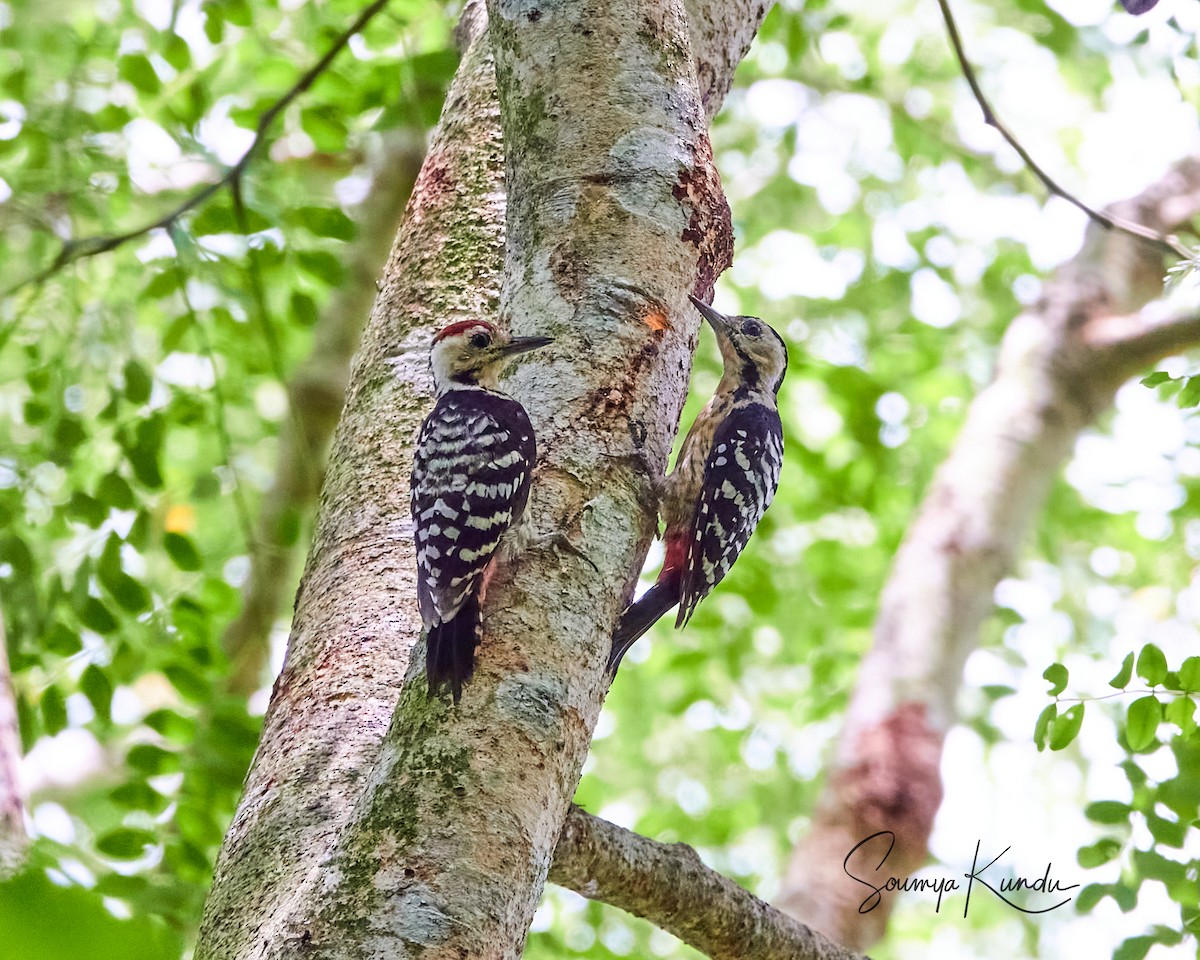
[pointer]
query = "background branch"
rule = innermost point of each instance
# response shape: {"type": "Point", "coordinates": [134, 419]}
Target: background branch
{"type": "Point", "coordinates": [1166, 243]}
{"type": "Point", "coordinates": [1060, 365]}
{"type": "Point", "coordinates": [670, 886]}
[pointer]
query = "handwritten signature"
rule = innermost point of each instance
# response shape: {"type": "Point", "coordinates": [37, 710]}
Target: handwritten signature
{"type": "Point", "coordinates": [1045, 884]}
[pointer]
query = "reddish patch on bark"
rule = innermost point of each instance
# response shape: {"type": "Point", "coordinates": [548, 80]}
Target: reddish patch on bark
{"type": "Point", "coordinates": [433, 181]}
{"type": "Point", "coordinates": [656, 320]}
{"type": "Point", "coordinates": [896, 784]}
{"type": "Point", "coordinates": [710, 227]}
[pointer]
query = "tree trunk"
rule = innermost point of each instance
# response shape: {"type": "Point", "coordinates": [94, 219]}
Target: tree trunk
{"type": "Point", "coordinates": [1060, 365]}
{"type": "Point", "coordinates": [12, 798]}
{"type": "Point", "coordinates": [436, 838]}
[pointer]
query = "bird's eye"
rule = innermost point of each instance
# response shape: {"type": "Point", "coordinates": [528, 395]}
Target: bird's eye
{"type": "Point", "coordinates": [480, 340]}
{"type": "Point", "coordinates": [752, 328]}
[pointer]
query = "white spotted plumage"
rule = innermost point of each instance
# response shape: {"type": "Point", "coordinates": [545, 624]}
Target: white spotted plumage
{"type": "Point", "coordinates": [724, 479]}
{"type": "Point", "coordinates": [470, 482]}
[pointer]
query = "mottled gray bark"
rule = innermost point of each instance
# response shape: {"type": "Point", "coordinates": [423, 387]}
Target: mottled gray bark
{"type": "Point", "coordinates": [437, 840]}
{"type": "Point", "coordinates": [316, 392]}
{"type": "Point", "coordinates": [355, 622]}
{"type": "Point", "coordinates": [12, 798]}
{"type": "Point", "coordinates": [668, 884]}
{"type": "Point", "coordinates": [1060, 364]}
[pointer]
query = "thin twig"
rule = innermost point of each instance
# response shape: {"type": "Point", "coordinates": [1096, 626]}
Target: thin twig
{"type": "Point", "coordinates": [1168, 244]}
{"type": "Point", "coordinates": [221, 423]}
{"type": "Point", "coordinates": [1165, 691]}
{"type": "Point", "coordinates": [73, 250]}
{"type": "Point", "coordinates": [257, 293]}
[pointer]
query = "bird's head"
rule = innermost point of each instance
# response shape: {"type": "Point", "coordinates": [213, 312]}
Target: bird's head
{"type": "Point", "coordinates": [753, 352]}
{"type": "Point", "coordinates": [473, 353]}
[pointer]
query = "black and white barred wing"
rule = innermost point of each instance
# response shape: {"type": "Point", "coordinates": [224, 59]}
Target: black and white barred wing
{"type": "Point", "coordinates": [740, 479]}
{"type": "Point", "coordinates": [473, 461]}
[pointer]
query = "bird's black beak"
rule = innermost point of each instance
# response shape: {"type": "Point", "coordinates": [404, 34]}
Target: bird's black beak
{"type": "Point", "coordinates": [524, 345]}
{"type": "Point", "coordinates": [718, 321]}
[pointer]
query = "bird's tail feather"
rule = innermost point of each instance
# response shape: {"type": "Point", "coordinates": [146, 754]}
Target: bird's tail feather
{"type": "Point", "coordinates": [450, 650]}
{"type": "Point", "coordinates": [640, 617]}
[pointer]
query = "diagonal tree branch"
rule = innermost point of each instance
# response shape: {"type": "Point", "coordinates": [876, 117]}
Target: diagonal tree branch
{"type": "Point", "coordinates": [670, 886]}
{"type": "Point", "coordinates": [1060, 364]}
{"type": "Point", "coordinates": [1166, 243]}
{"type": "Point", "coordinates": [84, 247]}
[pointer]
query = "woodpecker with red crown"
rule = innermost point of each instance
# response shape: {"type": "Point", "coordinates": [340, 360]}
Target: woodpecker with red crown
{"type": "Point", "coordinates": [724, 478]}
{"type": "Point", "coordinates": [470, 482]}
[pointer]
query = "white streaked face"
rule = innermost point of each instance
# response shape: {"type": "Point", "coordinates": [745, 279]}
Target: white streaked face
{"type": "Point", "coordinates": [467, 355]}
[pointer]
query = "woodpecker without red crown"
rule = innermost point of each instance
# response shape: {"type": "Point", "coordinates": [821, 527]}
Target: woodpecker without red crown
{"type": "Point", "coordinates": [470, 483]}
{"type": "Point", "coordinates": [724, 478]}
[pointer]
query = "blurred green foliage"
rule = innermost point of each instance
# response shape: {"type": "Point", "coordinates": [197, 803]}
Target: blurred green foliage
{"type": "Point", "coordinates": [142, 390]}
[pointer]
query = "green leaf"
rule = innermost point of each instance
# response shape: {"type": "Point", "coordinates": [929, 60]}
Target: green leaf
{"type": "Point", "coordinates": [175, 51]}
{"type": "Point", "coordinates": [1155, 866]}
{"type": "Point", "coordinates": [303, 309]}
{"type": "Point", "coordinates": [98, 689]}
{"type": "Point", "coordinates": [1154, 379]}
{"type": "Point", "coordinates": [87, 509]}
{"type": "Point", "coordinates": [324, 266]}
{"type": "Point", "coordinates": [162, 284]}
{"type": "Point", "coordinates": [190, 684]}
{"type": "Point", "coordinates": [36, 412]}
{"type": "Point", "coordinates": [1090, 896]}
{"type": "Point", "coordinates": [1045, 718]}
{"type": "Point", "coordinates": [137, 70]}
{"type": "Point", "coordinates": [124, 589]}
{"type": "Point", "coordinates": [171, 725]}
{"type": "Point", "coordinates": [182, 551]}
{"type": "Point", "coordinates": [1152, 665]}
{"type": "Point", "coordinates": [115, 491]}
{"type": "Point", "coordinates": [1066, 727]}
{"type": "Point", "coordinates": [137, 383]}
{"type": "Point", "coordinates": [68, 435]}
{"type": "Point", "coordinates": [1125, 897]}
{"type": "Point", "coordinates": [139, 795]}
{"type": "Point", "coordinates": [327, 129]}
{"type": "Point", "coordinates": [143, 451]}
{"type": "Point", "coordinates": [1124, 675]}
{"type": "Point", "coordinates": [1189, 396]}
{"type": "Point", "coordinates": [1181, 712]}
{"type": "Point", "coordinates": [1099, 853]}
{"type": "Point", "coordinates": [1057, 674]}
{"type": "Point", "coordinates": [1135, 948]}
{"type": "Point", "coordinates": [1108, 811]}
{"type": "Point", "coordinates": [95, 616]}
{"type": "Point", "coordinates": [62, 640]}
{"type": "Point", "coordinates": [214, 23]}
{"type": "Point", "coordinates": [152, 760]}
{"type": "Point", "coordinates": [125, 843]}
{"type": "Point", "coordinates": [1167, 832]}
{"type": "Point", "coordinates": [1189, 674]}
{"type": "Point", "coordinates": [324, 222]}
{"type": "Point", "coordinates": [54, 710]}
{"type": "Point", "coordinates": [1141, 726]}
